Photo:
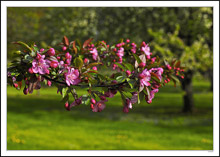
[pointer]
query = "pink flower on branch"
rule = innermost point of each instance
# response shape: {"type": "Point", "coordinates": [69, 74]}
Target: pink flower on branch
{"type": "Point", "coordinates": [94, 53]}
{"type": "Point", "coordinates": [146, 50]}
{"type": "Point", "coordinates": [40, 66]}
{"type": "Point", "coordinates": [145, 77]}
{"type": "Point", "coordinates": [72, 77]}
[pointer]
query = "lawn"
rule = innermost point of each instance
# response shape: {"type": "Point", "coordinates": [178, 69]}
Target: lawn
{"type": "Point", "coordinates": [40, 122]}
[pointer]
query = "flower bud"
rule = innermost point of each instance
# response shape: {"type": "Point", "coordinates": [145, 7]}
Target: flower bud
{"type": "Point", "coordinates": [115, 49]}
{"type": "Point", "coordinates": [67, 106]}
{"type": "Point", "coordinates": [86, 60]}
{"type": "Point", "coordinates": [67, 55]}
{"type": "Point", "coordinates": [93, 101]}
{"type": "Point", "coordinates": [54, 64]}
{"type": "Point", "coordinates": [41, 50]}
{"type": "Point", "coordinates": [68, 61]}
{"type": "Point", "coordinates": [58, 57]}
{"type": "Point", "coordinates": [51, 52]}
{"type": "Point", "coordinates": [94, 68]}
{"type": "Point", "coordinates": [127, 41]}
{"type": "Point", "coordinates": [78, 101]}
{"type": "Point", "coordinates": [64, 48]}
{"type": "Point", "coordinates": [142, 64]}
{"type": "Point", "coordinates": [30, 70]}
{"type": "Point", "coordinates": [91, 106]}
{"type": "Point", "coordinates": [102, 97]}
{"type": "Point", "coordinates": [15, 85]}
{"type": "Point", "coordinates": [114, 81]}
{"type": "Point", "coordinates": [128, 73]}
{"type": "Point", "coordinates": [49, 83]}
{"type": "Point", "coordinates": [25, 91]}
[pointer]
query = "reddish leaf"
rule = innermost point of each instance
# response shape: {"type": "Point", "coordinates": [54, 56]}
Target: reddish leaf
{"type": "Point", "coordinates": [177, 65]}
{"type": "Point", "coordinates": [87, 42]}
{"type": "Point", "coordinates": [20, 84]}
{"type": "Point", "coordinates": [74, 47]}
{"type": "Point", "coordinates": [172, 63]}
{"type": "Point", "coordinates": [155, 75]}
{"type": "Point", "coordinates": [66, 41]}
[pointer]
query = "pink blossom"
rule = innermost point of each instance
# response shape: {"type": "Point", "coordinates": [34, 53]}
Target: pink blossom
{"type": "Point", "coordinates": [72, 77]}
{"type": "Point", "coordinates": [146, 50]}
{"type": "Point", "coordinates": [40, 66]}
{"type": "Point", "coordinates": [134, 97]}
{"type": "Point", "coordinates": [68, 55]}
{"type": "Point", "coordinates": [120, 52]}
{"type": "Point", "coordinates": [110, 93]}
{"type": "Point", "coordinates": [127, 105]}
{"type": "Point", "coordinates": [152, 93]}
{"type": "Point", "coordinates": [127, 41]}
{"type": "Point", "coordinates": [158, 72]}
{"type": "Point", "coordinates": [99, 106]}
{"type": "Point", "coordinates": [145, 76]}
{"type": "Point", "coordinates": [94, 53]}
{"type": "Point", "coordinates": [76, 102]}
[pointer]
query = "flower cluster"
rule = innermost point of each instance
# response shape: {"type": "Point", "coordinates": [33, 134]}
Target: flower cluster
{"type": "Point", "coordinates": [135, 71]}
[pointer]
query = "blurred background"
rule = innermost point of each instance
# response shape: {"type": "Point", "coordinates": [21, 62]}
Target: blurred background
{"type": "Point", "coordinates": [179, 118]}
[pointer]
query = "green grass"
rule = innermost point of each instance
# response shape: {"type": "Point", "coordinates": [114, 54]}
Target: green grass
{"type": "Point", "coordinates": [40, 122]}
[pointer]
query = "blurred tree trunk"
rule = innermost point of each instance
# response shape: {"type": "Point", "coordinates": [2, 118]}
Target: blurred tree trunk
{"type": "Point", "coordinates": [188, 95]}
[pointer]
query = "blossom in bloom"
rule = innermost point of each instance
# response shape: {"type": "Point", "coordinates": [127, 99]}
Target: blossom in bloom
{"type": "Point", "coordinates": [72, 77]}
{"type": "Point", "coordinates": [146, 50]}
{"type": "Point", "coordinates": [134, 97]}
{"type": "Point", "coordinates": [94, 68]}
{"type": "Point", "coordinates": [76, 102]}
{"type": "Point", "coordinates": [158, 72]}
{"type": "Point", "coordinates": [94, 53]}
{"type": "Point", "coordinates": [40, 66]}
{"type": "Point", "coordinates": [152, 93]}
{"type": "Point", "coordinates": [127, 105]}
{"type": "Point", "coordinates": [99, 106]}
{"type": "Point", "coordinates": [120, 52]}
{"type": "Point", "coordinates": [110, 93]}
{"type": "Point", "coordinates": [145, 77]}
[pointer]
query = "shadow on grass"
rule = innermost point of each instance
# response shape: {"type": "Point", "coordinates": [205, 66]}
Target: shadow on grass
{"type": "Point", "coordinates": [157, 114]}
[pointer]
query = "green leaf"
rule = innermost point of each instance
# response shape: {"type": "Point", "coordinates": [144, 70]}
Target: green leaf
{"type": "Point", "coordinates": [93, 64]}
{"type": "Point", "coordinates": [85, 99]}
{"type": "Point", "coordinates": [65, 99]}
{"type": "Point", "coordinates": [131, 82]}
{"type": "Point", "coordinates": [33, 54]}
{"type": "Point", "coordinates": [120, 79]}
{"type": "Point", "coordinates": [64, 91]}
{"type": "Point", "coordinates": [151, 66]}
{"type": "Point", "coordinates": [136, 58]}
{"type": "Point", "coordinates": [23, 44]}
{"type": "Point", "coordinates": [129, 66]}
{"type": "Point", "coordinates": [78, 62]}
{"type": "Point", "coordinates": [120, 66]}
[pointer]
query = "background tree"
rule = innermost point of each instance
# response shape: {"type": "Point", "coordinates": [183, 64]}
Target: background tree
{"type": "Point", "coordinates": [188, 30]}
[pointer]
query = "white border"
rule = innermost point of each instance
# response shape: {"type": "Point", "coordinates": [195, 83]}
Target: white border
{"type": "Point", "coordinates": [4, 6]}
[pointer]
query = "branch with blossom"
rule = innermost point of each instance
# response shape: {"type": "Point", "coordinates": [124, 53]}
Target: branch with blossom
{"type": "Point", "coordinates": [135, 74]}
